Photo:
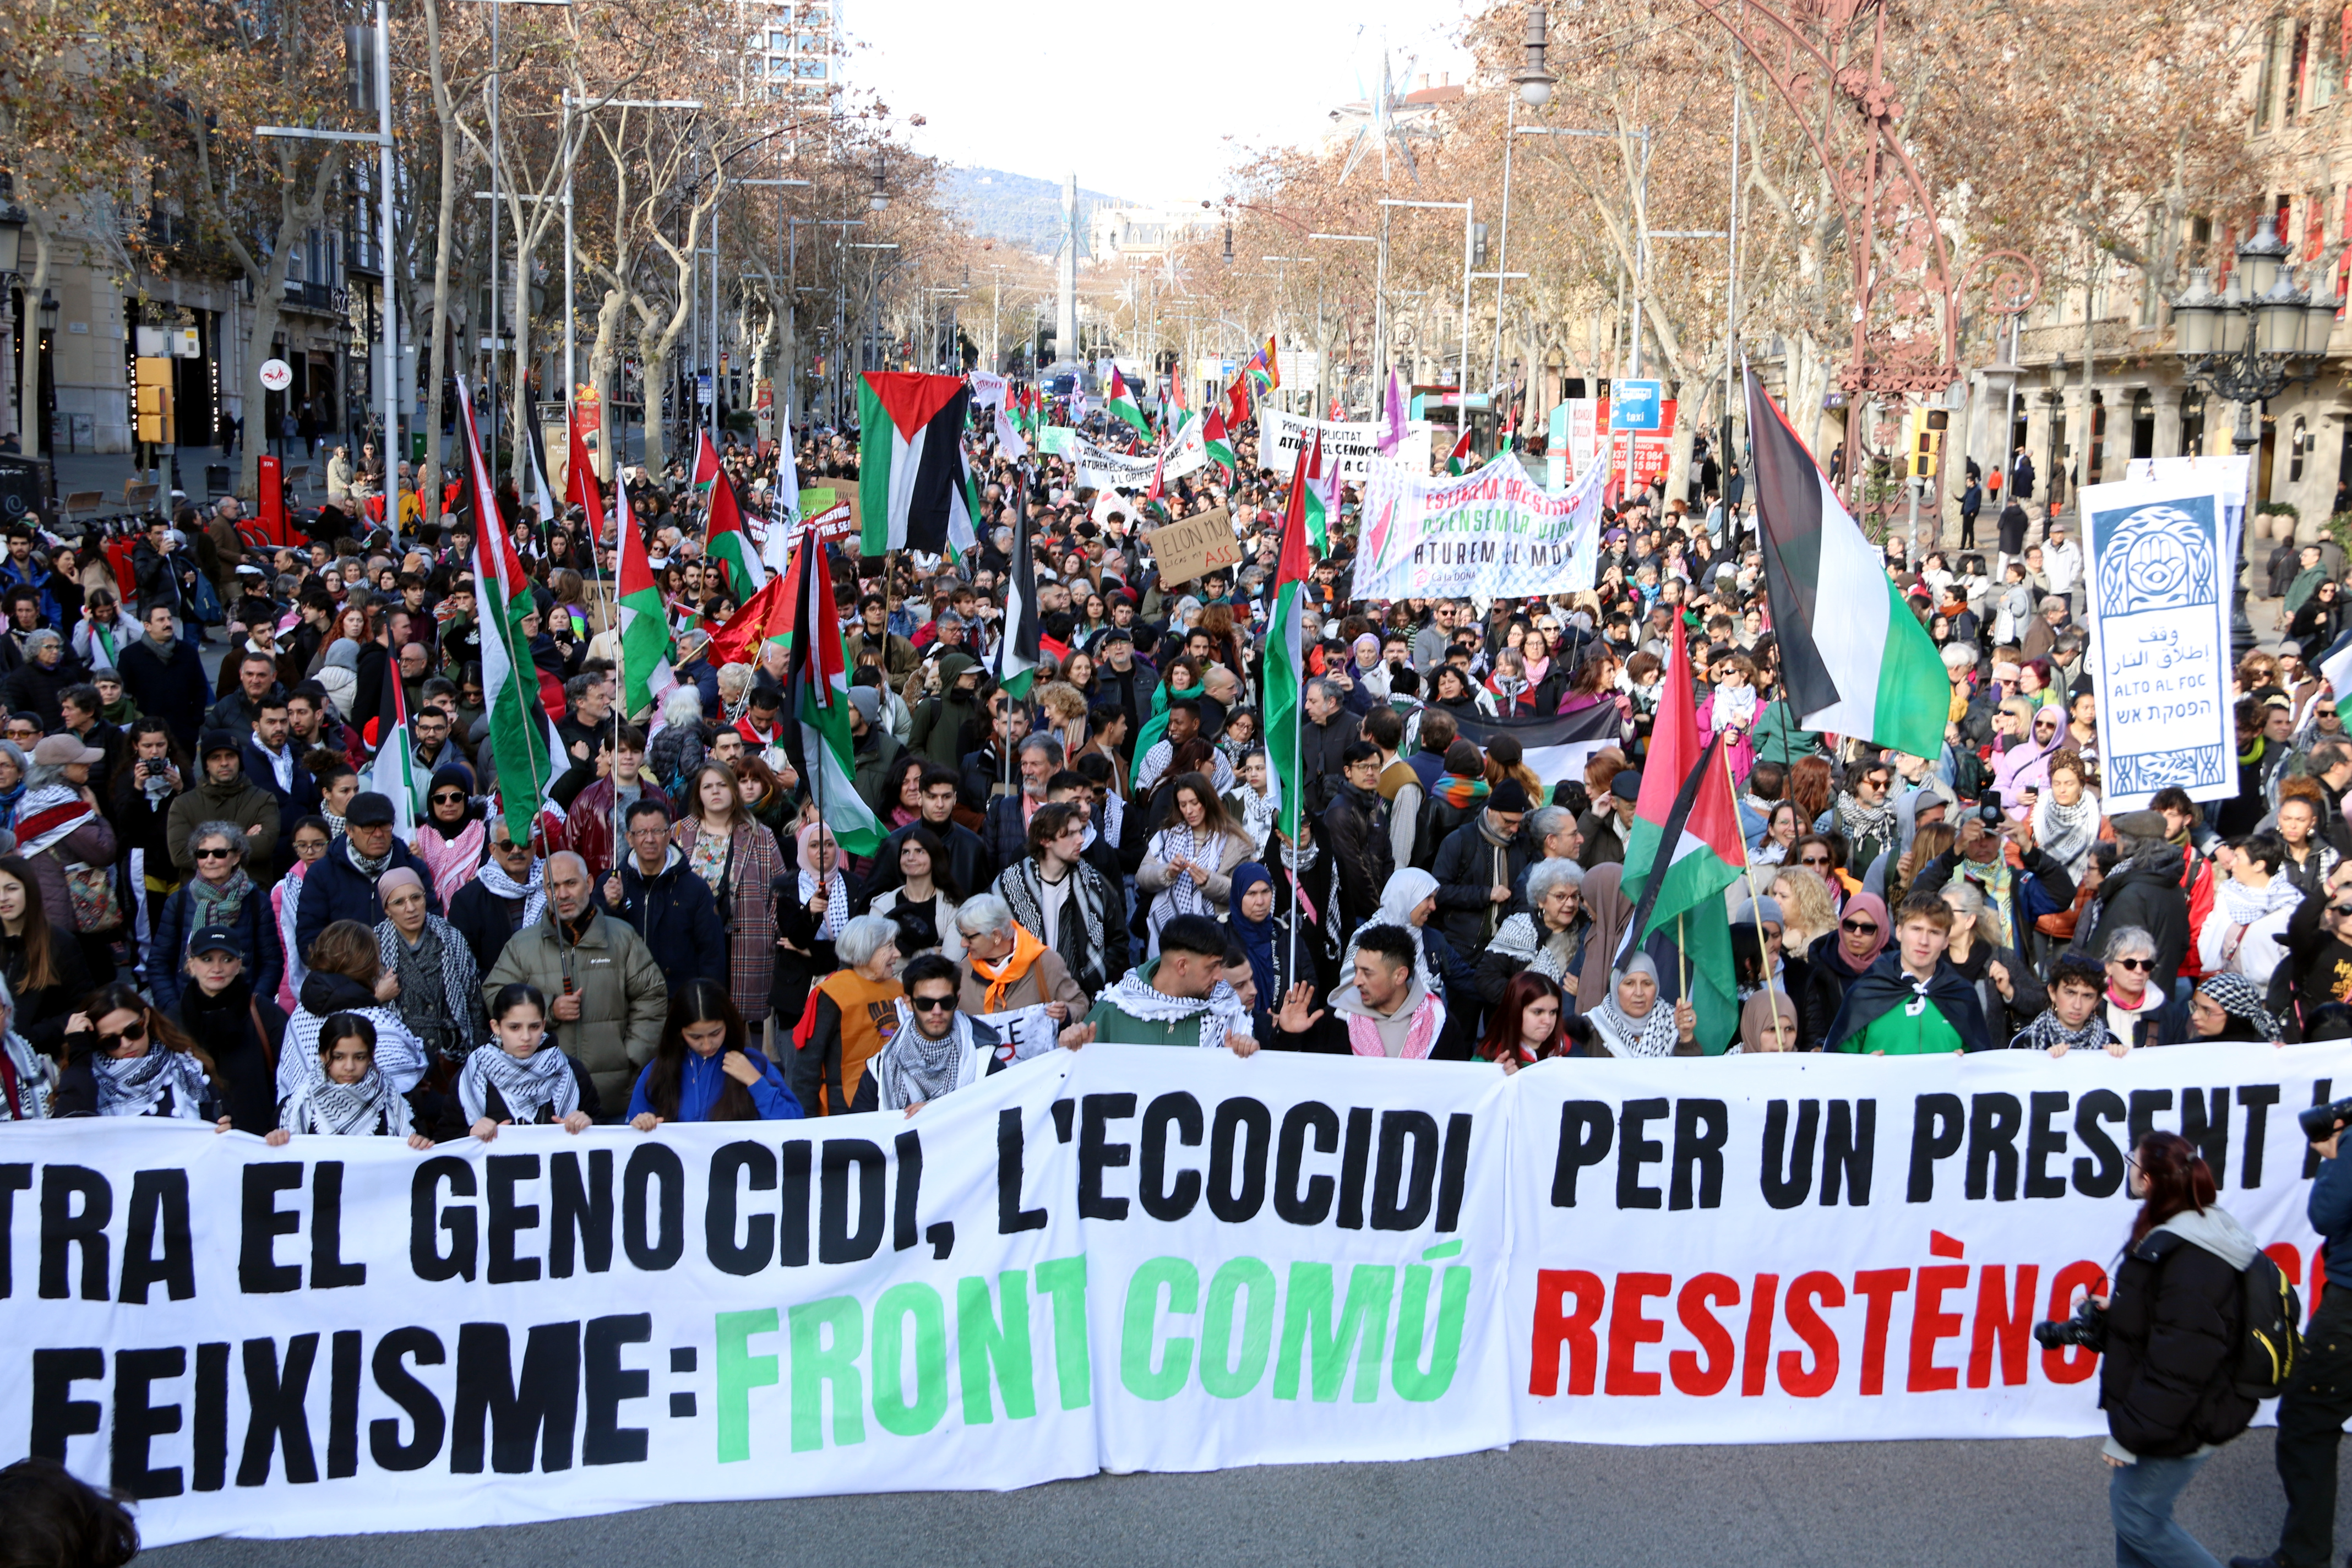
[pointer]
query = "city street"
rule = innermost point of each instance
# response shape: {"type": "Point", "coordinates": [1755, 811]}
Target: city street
{"type": "Point", "coordinates": [1920, 1505]}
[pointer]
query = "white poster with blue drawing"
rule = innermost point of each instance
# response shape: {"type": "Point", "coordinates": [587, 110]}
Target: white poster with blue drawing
{"type": "Point", "coordinates": [2159, 603]}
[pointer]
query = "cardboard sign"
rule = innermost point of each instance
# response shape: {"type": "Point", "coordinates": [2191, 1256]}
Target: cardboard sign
{"type": "Point", "coordinates": [1187, 549]}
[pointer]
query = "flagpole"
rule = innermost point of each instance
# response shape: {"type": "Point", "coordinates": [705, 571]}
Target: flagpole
{"type": "Point", "coordinates": [1780, 1042]}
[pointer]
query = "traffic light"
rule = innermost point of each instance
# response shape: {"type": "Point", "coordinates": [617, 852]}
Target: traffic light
{"type": "Point", "coordinates": [1927, 444]}
{"type": "Point", "coordinates": [1477, 245]}
{"type": "Point", "coordinates": [153, 387]}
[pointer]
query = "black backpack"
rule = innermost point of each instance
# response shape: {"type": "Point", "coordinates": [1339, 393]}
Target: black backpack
{"type": "Point", "coordinates": [2269, 1344]}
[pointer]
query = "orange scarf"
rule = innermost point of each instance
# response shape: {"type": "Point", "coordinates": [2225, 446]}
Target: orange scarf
{"type": "Point", "coordinates": [1026, 951]}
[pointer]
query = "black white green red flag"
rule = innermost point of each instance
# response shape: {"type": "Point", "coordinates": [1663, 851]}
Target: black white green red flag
{"type": "Point", "coordinates": [509, 682]}
{"type": "Point", "coordinates": [817, 690]}
{"type": "Point", "coordinates": [1286, 654]}
{"type": "Point", "coordinates": [912, 488]}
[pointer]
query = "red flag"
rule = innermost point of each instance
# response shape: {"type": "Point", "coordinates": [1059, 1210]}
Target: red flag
{"type": "Point", "coordinates": [1237, 401]}
{"type": "Point", "coordinates": [580, 477]}
{"type": "Point", "coordinates": [766, 615]}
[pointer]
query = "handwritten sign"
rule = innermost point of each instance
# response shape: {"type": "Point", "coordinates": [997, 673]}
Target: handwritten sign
{"type": "Point", "coordinates": [2158, 590]}
{"type": "Point", "coordinates": [1196, 545]}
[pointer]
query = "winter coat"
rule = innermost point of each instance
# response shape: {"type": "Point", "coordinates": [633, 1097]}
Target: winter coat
{"type": "Point", "coordinates": [167, 947]}
{"type": "Point", "coordinates": [242, 1034]}
{"type": "Point", "coordinates": [623, 996]}
{"type": "Point", "coordinates": [240, 801]}
{"type": "Point", "coordinates": [1319, 749]}
{"type": "Point", "coordinates": [1349, 833]}
{"type": "Point", "coordinates": [1465, 872]}
{"type": "Point", "coordinates": [485, 921]}
{"type": "Point", "coordinates": [2173, 1323]}
{"type": "Point", "coordinates": [168, 683]}
{"type": "Point", "coordinates": [673, 912]}
{"type": "Point", "coordinates": [2144, 892]}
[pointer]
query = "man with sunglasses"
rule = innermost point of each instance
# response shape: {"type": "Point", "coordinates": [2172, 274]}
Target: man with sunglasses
{"type": "Point", "coordinates": [506, 895]}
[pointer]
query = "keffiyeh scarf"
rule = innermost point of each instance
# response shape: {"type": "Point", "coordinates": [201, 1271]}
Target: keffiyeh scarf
{"type": "Point", "coordinates": [1654, 1035]}
{"type": "Point", "coordinates": [913, 1069]}
{"type": "Point", "coordinates": [2047, 1032]}
{"type": "Point", "coordinates": [137, 1086]}
{"type": "Point", "coordinates": [1258, 813]}
{"type": "Point", "coordinates": [1182, 896]}
{"type": "Point", "coordinates": [347, 1109]}
{"type": "Point", "coordinates": [1536, 948]}
{"type": "Point", "coordinates": [2067, 831]}
{"type": "Point", "coordinates": [533, 893]}
{"type": "Point", "coordinates": [541, 1080]}
{"type": "Point", "coordinates": [2243, 905]}
{"type": "Point", "coordinates": [1860, 822]}
{"type": "Point", "coordinates": [440, 960]}
{"type": "Point", "coordinates": [1734, 706]}
{"type": "Point", "coordinates": [1024, 892]}
{"type": "Point", "coordinates": [2236, 995]}
{"type": "Point", "coordinates": [836, 902]}
{"type": "Point", "coordinates": [1220, 1013]}
{"type": "Point", "coordinates": [27, 1077]}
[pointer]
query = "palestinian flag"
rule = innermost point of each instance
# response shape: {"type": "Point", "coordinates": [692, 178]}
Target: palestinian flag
{"type": "Point", "coordinates": [579, 487]}
{"type": "Point", "coordinates": [706, 462]}
{"type": "Point", "coordinates": [1457, 461]}
{"type": "Point", "coordinates": [816, 693]}
{"type": "Point", "coordinates": [1699, 853]}
{"type": "Point", "coordinates": [1322, 498]}
{"type": "Point", "coordinates": [1018, 652]}
{"type": "Point", "coordinates": [543, 499]}
{"type": "Point", "coordinates": [645, 625]}
{"type": "Point", "coordinates": [1856, 659]}
{"type": "Point", "coordinates": [1556, 748]}
{"type": "Point", "coordinates": [1120, 405]}
{"type": "Point", "coordinates": [393, 775]}
{"type": "Point", "coordinates": [1218, 444]}
{"type": "Point", "coordinates": [911, 485]}
{"type": "Point", "coordinates": [727, 541]}
{"type": "Point", "coordinates": [1673, 751]}
{"type": "Point", "coordinates": [519, 738]}
{"type": "Point", "coordinates": [1284, 673]}
{"type": "Point", "coordinates": [1173, 411]}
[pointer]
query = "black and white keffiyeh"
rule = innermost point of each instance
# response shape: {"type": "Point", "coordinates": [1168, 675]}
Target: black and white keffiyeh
{"type": "Point", "coordinates": [1535, 947]}
{"type": "Point", "coordinates": [1220, 1013]}
{"type": "Point", "coordinates": [541, 1081]}
{"type": "Point", "coordinates": [1183, 896]}
{"type": "Point", "coordinates": [1653, 1034]}
{"type": "Point", "coordinates": [2048, 1032]}
{"type": "Point", "coordinates": [1023, 888]}
{"type": "Point", "coordinates": [28, 1080]}
{"type": "Point", "coordinates": [836, 900]}
{"type": "Point", "coordinates": [533, 893]}
{"type": "Point", "coordinates": [914, 1069]}
{"type": "Point", "coordinates": [2237, 995]}
{"type": "Point", "coordinates": [164, 1082]}
{"type": "Point", "coordinates": [440, 960]}
{"type": "Point", "coordinates": [366, 1108]}
{"type": "Point", "coordinates": [399, 1055]}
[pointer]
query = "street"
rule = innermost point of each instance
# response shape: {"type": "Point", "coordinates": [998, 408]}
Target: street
{"type": "Point", "coordinates": [1922, 1505]}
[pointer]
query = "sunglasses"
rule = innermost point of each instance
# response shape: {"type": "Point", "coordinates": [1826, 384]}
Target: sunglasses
{"type": "Point", "coordinates": [2339, 910]}
{"type": "Point", "coordinates": [2133, 963]}
{"type": "Point", "coordinates": [1813, 860]}
{"type": "Point", "coordinates": [930, 1004]}
{"type": "Point", "coordinates": [214, 855]}
{"type": "Point", "coordinates": [129, 1035]}
{"type": "Point", "coordinates": [449, 797]}
{"type": "Point", "coordinates": [1859, 928]}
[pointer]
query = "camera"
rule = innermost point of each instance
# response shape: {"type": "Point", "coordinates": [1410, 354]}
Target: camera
{"type": "Point", "coordinates": [2319, 1122]}
{"type": "Point", "coordinates": [2087, 1327]}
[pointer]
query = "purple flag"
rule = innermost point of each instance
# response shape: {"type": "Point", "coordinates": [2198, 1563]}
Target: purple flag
{"type": "Point", "coordinates": [1393, 438]}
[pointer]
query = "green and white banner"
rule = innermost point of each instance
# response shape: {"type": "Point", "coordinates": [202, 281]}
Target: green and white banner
{"type": "Point", "coordinates": [1123, 1259]}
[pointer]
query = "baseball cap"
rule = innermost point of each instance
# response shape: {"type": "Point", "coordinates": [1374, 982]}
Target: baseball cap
{"type": "Point", "coordinates": [215, 938]}
{"type": "Point", "coordinates": [62, 750]}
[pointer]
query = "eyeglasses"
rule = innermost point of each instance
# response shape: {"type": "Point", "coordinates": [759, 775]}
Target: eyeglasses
{"type": "Point", "coordinates": [1859, 928]}
{"type": "Point", "coordinates": [2133, 963]}
{"type": "Point", "coordinates": [214, 855]}
{"type": "Point", "coordinates": [930, 1004]}
{"type": "Point", "coordinates": [131, 1034]}
{"type": "Point", "coordinates": [2339, 910]}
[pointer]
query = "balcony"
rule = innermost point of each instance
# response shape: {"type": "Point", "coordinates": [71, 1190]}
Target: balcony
{"type": "Point", "coordinates": [321, 297]}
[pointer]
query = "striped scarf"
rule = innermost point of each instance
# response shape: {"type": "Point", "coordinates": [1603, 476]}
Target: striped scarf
{"type": "Point", "coordinates": [541, 1081]}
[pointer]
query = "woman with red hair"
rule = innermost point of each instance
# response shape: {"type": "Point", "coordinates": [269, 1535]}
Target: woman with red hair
{"type": "Point", "coordinates": [1529, 1024]}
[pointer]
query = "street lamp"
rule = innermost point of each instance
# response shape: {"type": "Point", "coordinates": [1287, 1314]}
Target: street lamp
{"type": "Point", "coordinates": [2245, 344]}
{"type": "Point", "coordinates": [49, 309]}
{"type": "Point", "coordinates": [1229, 242]}
{"type": "Point", "coordinates": [1535, 81]}
{"type": "Point", "coordinates": [12, 237]}
{"type": "Point", "coordinates": [880, 199]}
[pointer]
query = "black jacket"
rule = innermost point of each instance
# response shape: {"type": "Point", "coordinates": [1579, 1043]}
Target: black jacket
{"type": "Point", "coordinates": [969, 862]}
{"type": "Point", "coordinates": [1466, 882]}
{"type": "Point", "coordinates": [170, 685]}
{"type": "Point", "coordinates": [1827, 975]}
{"type": "Point", "coordinates": [241, 1032]}
{"type": "Point", "coordinates": [335, 890]}
{"type": "Point", "coordinates": [1881, 987]}
{"type": "Point", "coordinates": [1319, 748]}
{"type": "Point", "coordinates": [2173, 1325]}
{"type": "Point", "coordinates": [1352, 837]}
{"type": "Point", "coordinates": [487, 922]}
{"type": "Point", "coordinates": [2143, 892]}
{"type": "Point", "coordinates": [677, 915]}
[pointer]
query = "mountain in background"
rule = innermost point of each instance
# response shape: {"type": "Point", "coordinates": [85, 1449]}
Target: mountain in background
{"type": "Point", "coordinates": [1018, 209]}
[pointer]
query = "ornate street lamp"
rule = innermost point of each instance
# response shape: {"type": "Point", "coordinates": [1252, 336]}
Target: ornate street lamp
{"type": "Point", "coordinates": [2247, 342]}
{"type": "Point", "coordinates": [1535, 81]}
{"type": "Point", "coordinates": [880, 199]}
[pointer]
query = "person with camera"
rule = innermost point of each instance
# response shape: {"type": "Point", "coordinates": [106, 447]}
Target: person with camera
{"type": "Point", "coordinates": [2169, 1330]}
{"type": "Point", "coordinates": [2317, 1399]}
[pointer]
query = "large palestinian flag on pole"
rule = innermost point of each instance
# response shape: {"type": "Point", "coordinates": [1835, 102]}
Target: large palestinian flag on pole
{"type": "Point", "coordinates": [1020, 650]}
{"type": "Point", "coordinates": [392, 774]}
{"type": "Point", "coordinates": [646, 673]}
{"type": "Point", "coordinates": [1698, 855]}
{"type": "Point", "coordinates": [726, 541]}
{"type": "Point", "coordinates": [1856, 659]}
{"type": "Point", "coordinates": [911, 484]}
{"type": "Point", "coordinates": [1120, 405]}
{"type": "Point", "coordinates": [1285, 660]}
{"type": "Point", "coordinates": [510, 683]}
{"type": "Point", "coordinates": [1673, 751]}
{"type": "Point", "coordinates": [816, 694]}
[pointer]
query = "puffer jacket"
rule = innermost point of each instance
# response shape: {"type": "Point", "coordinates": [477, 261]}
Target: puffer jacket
{"type": "Point", "coordinates": [2173, 1326]}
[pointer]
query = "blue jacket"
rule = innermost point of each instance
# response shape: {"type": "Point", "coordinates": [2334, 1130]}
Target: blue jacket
{"type": "Point", "coordinates": [2330, 1211]}
{"type": "Point", "coordinates": [334, 889]}
{"type": "Point", "coordinates": [167, 948]}
{"type": "Point", "coordinates": [701, 1081]}
{"type": "Point", "coordinates": [31, 576]}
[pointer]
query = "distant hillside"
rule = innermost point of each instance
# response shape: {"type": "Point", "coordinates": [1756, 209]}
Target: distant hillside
{"type": "Point", "coordinates": [1018, 209]}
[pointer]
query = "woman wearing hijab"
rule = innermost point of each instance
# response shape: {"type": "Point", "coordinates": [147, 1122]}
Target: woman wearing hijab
{"type": "Point", "coordinates": [1633, 1021]}
{"type": "Point", "coordinates": [1264, 937]}
{"type": "Point", "coordinates": [1610, 911]}
{"type": "Point", "coordinates": [338, 674]}
{"type": "Point", "coordinates": [454, 838]}
{"type": "Point", "coordinates": [1839, 959]}
{"type": "Point", "coordinates": [440, 995]}
{"type": "Point", "coordinates": [2227, 1007]}
{"type": "Point", "coordinates": [813, 905]}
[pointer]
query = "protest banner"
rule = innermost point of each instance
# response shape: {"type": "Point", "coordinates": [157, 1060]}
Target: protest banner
{"type": "Point", "coordinates": [2158, 554]}
{"type": "Point", "coordinates": [1120, 1258]}
{"type": "Point", "coordinates": [1572, 440]}
{"type": "Point", "coordinates": [1488, 534]}
{"type": "Point", "coordinates": [987, 388]}
{"type": "Point", "coordinates": [1192, 545]}
{"type": "Point", "coordinates": [1354, 445]}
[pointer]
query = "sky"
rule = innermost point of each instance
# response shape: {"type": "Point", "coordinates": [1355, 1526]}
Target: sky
{"type": "Point", "coordinates": [1150, 102]}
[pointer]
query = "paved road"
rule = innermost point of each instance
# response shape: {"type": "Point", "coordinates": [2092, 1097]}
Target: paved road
{"type": "Point", "coordinates": [1870, 1505]}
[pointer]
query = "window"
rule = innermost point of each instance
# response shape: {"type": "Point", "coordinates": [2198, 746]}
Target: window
{"type": "Point", "coordinates": [780, 41]}
{"type": "Point", "coordinates": [2276, 85]}
{"type": "Point", "coordinates": [2299, 443]}
{"type": "Point", "coordinates": [813, 69]}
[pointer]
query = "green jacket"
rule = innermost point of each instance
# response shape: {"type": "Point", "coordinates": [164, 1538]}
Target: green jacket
{"type": "Point", "coordinates": [1778, 737]}
{"type": "Point", "coordinates": [1114, 1028]}
{"type": "Point", "coordinates": [623, 996]}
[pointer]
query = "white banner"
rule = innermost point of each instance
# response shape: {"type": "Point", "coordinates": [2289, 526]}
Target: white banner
{"type": "Point", "coordinates": [2159, 556]}
{"type": "Point", "coordinates": [1356, 444]}
{"type": "Point", "coordinates": [1488, 534]}
{"type": "Point", "coordinates": [987, 389]}
{"type": "Point", "coordinates": [1124, 1258]}
{"type": "Point", "coordinates": [1101, 468]}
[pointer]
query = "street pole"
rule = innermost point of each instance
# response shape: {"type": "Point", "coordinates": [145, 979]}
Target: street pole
{"type": "Point", "coordinates": [1503, 241]}
{"type": "Point", "coordinates": [391, 388]}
